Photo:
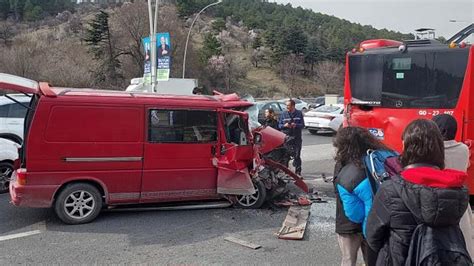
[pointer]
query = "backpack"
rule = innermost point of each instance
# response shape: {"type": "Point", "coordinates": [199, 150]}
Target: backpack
{"type": "Point", "coordinates": [381, 165]}
{"type": "Point", "coordinates": [440, 246]}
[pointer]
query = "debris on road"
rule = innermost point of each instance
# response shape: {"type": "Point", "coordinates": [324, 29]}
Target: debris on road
{"type": "Point", "coordinates": [295, 222]}
{"type": "Point", "coordinates": [242, 242]}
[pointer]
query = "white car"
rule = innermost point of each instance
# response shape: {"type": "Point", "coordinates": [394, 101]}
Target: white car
{"type": "Point", "coordinates": [322, 118]}
{"type": "Point", "coordinates": [299, 104]}
{"type": "Point", "coordinates": [12, 116]}
{"type": "Point", "coordinates": [8, 155]}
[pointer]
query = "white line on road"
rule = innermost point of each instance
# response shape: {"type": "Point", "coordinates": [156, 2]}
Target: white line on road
{"type": "Point", "coordinates": [13, 236]}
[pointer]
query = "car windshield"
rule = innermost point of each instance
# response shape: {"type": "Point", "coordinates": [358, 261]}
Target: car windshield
{"type": "Point", "coordinates": [327, 109]}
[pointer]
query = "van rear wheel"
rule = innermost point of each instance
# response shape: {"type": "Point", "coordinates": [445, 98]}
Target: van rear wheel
{"type": "Point", "coordinates": [255, 200]}
{"type": "Point", "coordinates": [78, 203]}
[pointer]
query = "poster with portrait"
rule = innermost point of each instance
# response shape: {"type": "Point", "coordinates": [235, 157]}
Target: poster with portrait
{"type": "Point", "coordinates": [163, 48]}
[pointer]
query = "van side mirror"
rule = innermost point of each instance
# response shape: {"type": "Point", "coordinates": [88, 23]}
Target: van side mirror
{"type": "Point", "coordinates": [258, 138]}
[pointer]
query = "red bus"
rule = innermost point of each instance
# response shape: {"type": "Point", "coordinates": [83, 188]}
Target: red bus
{"type": "Point", "coordinates": [390, 83]}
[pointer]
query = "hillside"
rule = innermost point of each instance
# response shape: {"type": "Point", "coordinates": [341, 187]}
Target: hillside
{"type": "Point", "coordinates": [247, 46]}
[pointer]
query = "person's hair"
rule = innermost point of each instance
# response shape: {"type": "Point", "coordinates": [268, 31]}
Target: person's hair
{"type": "Point", "coordinates": [271, 112]}
{"type": "Point", "coordinates": [292, 102]}
{"type": "Point", "coordinates": [422, 143]}
{"type": "Point", "coordinates": [447, 126]}
{"type": "Point", "coordinates": [352, 143]}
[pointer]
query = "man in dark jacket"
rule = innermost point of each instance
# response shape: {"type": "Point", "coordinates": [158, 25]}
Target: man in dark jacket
{"type": "Point", "coordinates": [425, 193]}
{"type": "Point", "coordinates": [291, 123]}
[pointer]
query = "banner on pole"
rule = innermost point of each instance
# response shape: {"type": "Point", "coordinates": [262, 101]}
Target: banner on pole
{"type": "Point", "coordinates": [163, 46]}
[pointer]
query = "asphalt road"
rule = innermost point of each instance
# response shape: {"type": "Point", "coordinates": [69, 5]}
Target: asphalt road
{"type": "Point", "coordinates": [178, 237]}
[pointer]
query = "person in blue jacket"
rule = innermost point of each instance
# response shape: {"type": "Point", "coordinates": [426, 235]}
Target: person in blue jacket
{"type": "Point", "coordinates": [291, 123]}
{"type": "Point", "coordinates": [354, 193]}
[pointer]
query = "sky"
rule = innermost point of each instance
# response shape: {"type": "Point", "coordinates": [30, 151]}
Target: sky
{"type": "Point", "coordinates": [404, 15]}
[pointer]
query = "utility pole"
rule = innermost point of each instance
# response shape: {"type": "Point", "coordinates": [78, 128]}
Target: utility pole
{"type": "Point", "coordinates": [153, 29]}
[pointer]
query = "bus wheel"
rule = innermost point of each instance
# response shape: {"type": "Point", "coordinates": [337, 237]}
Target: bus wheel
{"type": "Point", "coordinates": [78, 203]}
{"type": "Point", "coordinates": [255, 200]}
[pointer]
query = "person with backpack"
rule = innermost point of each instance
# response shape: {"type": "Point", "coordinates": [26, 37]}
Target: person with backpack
{"type": "Point", "coordinates": [456, 157]}
{"type": "Point", "coordinates": [415, 215]}
{"type": "Point", "coordinates": [354, 191]}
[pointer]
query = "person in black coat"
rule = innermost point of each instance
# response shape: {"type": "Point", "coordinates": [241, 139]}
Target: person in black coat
{"type": "Point", "coordinates": [353, 192]}
{"type": "Point", "coordinates": [424, 193]}
{"type": "Point", "coordinates": [271, 118]}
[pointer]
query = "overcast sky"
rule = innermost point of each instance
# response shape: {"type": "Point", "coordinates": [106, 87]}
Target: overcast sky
{"type": "Point", "coordinates": [404, 15]}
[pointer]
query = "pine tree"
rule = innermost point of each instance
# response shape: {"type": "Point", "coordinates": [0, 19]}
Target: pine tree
{"type": "Point", "coordinates": [98, 39]}
{"type": "Point", "coordinates": [210, 47]}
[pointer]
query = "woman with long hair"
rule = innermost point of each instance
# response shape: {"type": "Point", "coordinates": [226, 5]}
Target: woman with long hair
{"type": "Point", "coordinates": [353, 191]}
{"type": "Point", "coordinates": [271, 119]}
{"type": "Point", "coordinates": [424, 202]}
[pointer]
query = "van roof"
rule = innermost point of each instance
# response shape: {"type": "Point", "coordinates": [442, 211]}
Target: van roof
{"type": "Point", "coordinates": [23, 85]}
{"type": "Point", "coordinates": [222, 100]}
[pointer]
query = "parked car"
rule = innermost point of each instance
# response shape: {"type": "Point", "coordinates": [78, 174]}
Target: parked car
{"type": "Point", "coordinates": [299, 104]}
{"type": "Point", "coordinates": [86, 149]}
{"type": "Point", "coordinates": [321, 117]}
{"type": "Point", "coordinates": [318, 101]}
{"type": "Point", "coordinates": [277, 106]}
{"type": "Point", "coordinates": [8, 155]}
{"type": "Point", "coordinates": [321, 100]}
{"type": "Point", "coordinates": [12, 116]}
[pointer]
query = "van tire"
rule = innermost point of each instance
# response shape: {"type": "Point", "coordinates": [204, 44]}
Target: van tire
{"type": "Point", "coordinates": [78, 203]}
{"type": "Point", "coordinates": [6, 170]}
{"type": "Point", "coordinates": [254, 201]}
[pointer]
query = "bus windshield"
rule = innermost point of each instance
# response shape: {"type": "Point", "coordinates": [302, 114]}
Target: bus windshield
{"type": "Point", "coordinates": [418, 79]}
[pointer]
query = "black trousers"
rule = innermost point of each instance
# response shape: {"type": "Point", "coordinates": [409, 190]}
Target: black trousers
{"type": "Point", "coordinates": [296, 154]}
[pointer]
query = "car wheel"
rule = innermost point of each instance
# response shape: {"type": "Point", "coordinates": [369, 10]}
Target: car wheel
{"type": "Point", "coordinates": [6, 170]}
{"type": "Point", "coordinates": [313, 131]}
{"type": "Point", "coordinates": [255, 200]}
{"type": "Point", "coordinates": [304, 110]}
{"type": "Point", "coordinates": [78, 203]}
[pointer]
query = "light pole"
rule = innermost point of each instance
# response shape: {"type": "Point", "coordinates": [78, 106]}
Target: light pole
{"type": "Point", "coordinates": [153, 28]}
{"type": "Point", "coordinates": [189, 33]}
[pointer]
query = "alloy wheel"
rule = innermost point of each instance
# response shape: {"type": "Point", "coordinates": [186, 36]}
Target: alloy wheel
{"type": "Point", "coordinates": [79, 204]}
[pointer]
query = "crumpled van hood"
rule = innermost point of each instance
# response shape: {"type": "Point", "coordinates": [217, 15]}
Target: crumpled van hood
{"type": "Point", "coordinates": [271, 139]}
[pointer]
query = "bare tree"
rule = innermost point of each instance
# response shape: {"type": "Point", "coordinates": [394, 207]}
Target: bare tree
{"type": "Point", "coordinates": [6, 32]}
{"type": "Point", "coordinates": [224, 71]}
{"type": "Point", "coordinates": [257, 56]}
{"type": "Point", "coordinates": [130, 25]}
{"type": "Point", "coordinates": [289, 69]}
{"type": "Point", "coordinates": [330, 76]}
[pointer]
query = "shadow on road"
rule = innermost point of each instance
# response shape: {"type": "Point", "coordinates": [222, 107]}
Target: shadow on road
{"type": "Point", "coordinates": [171, 228]}
{"type": "Point", "coordinates": [15, 219]}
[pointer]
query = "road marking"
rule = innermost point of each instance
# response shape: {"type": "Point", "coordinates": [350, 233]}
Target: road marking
{"type": "Point", "coordinates": [9, 237]}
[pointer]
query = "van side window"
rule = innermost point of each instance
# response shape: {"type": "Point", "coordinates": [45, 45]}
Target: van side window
{"type": "Point", "coordinates": [236, 129]}
{"type": "Point", "coordinates": [190, 126]}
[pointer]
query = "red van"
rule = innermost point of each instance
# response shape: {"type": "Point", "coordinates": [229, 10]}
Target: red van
{"type": "Point", "coordinates": [85, 150]}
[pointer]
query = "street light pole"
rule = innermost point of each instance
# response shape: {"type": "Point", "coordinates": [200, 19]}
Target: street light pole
{"type": "Point", "coordinates": [189, 33]}
{"type": "Point", "coordinates": [153, 28]}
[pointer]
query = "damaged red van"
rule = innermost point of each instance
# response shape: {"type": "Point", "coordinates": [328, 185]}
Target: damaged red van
{"type": "Point", "coordinates": [85, 150]}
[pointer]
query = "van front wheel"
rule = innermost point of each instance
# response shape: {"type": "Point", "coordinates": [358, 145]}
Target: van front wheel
{"type": "Point", "coordinates": [255, 200]}
{"type": "Point", "coordinates": [78, 203]}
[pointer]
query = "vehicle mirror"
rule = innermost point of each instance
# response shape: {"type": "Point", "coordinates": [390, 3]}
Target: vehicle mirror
{"type": "Point", "coordinates": [258, 138]}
